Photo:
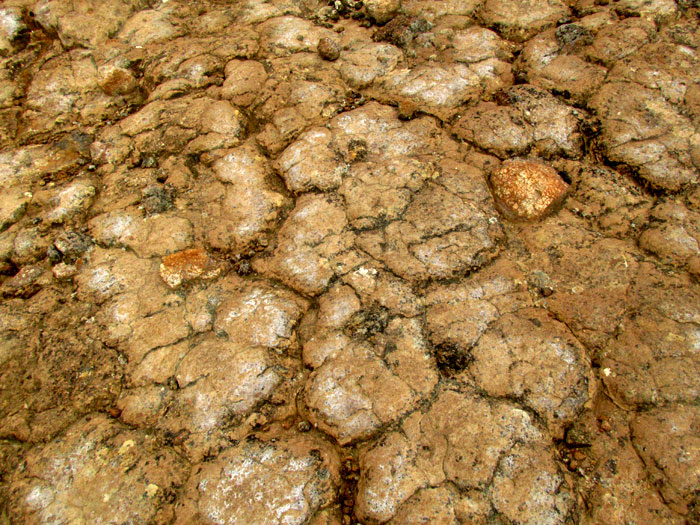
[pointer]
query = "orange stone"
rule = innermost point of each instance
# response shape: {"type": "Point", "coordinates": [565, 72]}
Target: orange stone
{"type": "Point", "coordinates": [187, 265]}
{"type": "Point", "coordinates": [526, 190]}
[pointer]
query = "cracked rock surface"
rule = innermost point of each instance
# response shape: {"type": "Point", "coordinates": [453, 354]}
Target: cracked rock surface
{"type": "Point", "coordinates": [328, 263]}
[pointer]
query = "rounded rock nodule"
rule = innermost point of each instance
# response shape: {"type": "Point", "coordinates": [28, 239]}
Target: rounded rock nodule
{"type": "Point", "coordinates": [527, 190]}
{"type": "Point", "coordinates": [328, 49]}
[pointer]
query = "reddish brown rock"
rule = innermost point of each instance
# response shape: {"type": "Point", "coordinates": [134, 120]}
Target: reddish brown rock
{"type": "Point", "coordinates": [526, 190]}
{"type": "Point", "coordinates": [187, 265]}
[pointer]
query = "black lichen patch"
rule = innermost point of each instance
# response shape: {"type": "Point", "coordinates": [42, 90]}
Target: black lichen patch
{"type": "Point", "coordinates": [357, 150]}
{"type": "Point", "coordinates": [70, 246]}
{"type": "Point", "coordinates": [401, 30]}
{"type": "Point", "coordinates": [451, 359]}
{"type": "Point", "coordinates": [367, 323]}
{"type": "Point", "coordinates": [157, 199]}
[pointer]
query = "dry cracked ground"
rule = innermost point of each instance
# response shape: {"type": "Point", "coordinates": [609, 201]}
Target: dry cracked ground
{"type": "Point", "coordinates": [264, 261]}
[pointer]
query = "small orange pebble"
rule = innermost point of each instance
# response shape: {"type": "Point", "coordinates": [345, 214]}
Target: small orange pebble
{"type": "Point", "coordinates": [526, 190]}
{"type": "Point", "coordinates": [187, 265]}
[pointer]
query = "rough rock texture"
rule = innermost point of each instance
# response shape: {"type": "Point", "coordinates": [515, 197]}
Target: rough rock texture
{"type": "Point", "coordinates": [310, 239]}
{"type": "Point", "coordinates": [341, 399]}
{"type": "Point", "coordinates": [449, 227]}
{"type": "Point", "coordinates": [430, 451]}
{"type": "Point", "coordinates": [668, 440]}
{"type": "Point", "coordinates": [521, 19]}
{"type": "Point", "coordinates": [532, 122]}
{"type": "Point", "coordinates": [258, 262]}
{"type": "Point", "coordinates": [283, 481]}
{"type": "Point", "coordinates": [645, 132]}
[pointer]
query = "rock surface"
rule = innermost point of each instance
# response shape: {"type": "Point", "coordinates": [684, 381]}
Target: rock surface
{"type": "Point", "coordinates": [360, 261]}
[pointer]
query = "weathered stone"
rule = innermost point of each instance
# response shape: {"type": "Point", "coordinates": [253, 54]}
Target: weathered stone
{"type": "Point", "coordinates": [537, 359]}
{"type": "Point", "coordinates": [529, 487]}
{"type": "Point", "coordinates": [243, 81]}
{"type": "Point", "coordinates": [362, 64]}
{"type": "Point", "coordinates": [257, 314]}
{"type": "Point", "coordinates": [147, 27]}
{"type": "Point", "coordinates": [352, 396]}
{"type": "Point", "coordinates": [283, 481]}
{"type": "Point", "coordinates": [455, 440]}
{"type": "Point", "coordinates": [287, 35]}
{"type": "Point", "coordinates": [250, 205]}
{"type": "Point", "coordinates": [673, 235]}
{"type": "Point", "coordinates": [533, 122]}
{"type": "Point", "coordinates": [85, 23]}
{"type": "Point", "coordinates": [30, 246]}
{"type": "Point", "coordinates": [29, 164]}
{"type": "Point", "coordinates": [98, 470]}
{"type": "Point", "coordinates": [458, 315]}
{"type": "Point", "coordinates": [667, 441]}
{"type": "Point", "coordinates": [74, 200]}
{"type": "Point", "coordinates": [645, 132]}
{"type": "Point", "coordinates": [219, 379]}
{"type": "Point", "coordinates": [310, 163]}
{"type": "Point", "coordinates": [77, 97]}
{"type": "Point", "coordinates": [653, 359]}
{"type": "Point", "coordinates": [156, 235]}
{"type": "Point", "coordinates": [444, 230]}
{"type": "Point", "coordinates": [13, 30]}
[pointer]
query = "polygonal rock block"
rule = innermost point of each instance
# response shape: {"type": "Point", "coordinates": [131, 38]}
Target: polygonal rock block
{"type": "Point", "coordinates": [282, 481]}
{"type": "Point", "coordinates": [532, 356]}
{"type": "Point", "coordinates": [98, 471]}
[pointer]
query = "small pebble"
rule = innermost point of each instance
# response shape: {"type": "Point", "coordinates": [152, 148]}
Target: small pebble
{"type": "Point", "coordinates": [63, 271]}
{"type": "Point", "coordinates": [187, 265]}
{"type": "Point", "coordinates": [328, 49]}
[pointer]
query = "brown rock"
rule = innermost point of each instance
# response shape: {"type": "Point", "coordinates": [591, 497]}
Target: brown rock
{"type": "Point", "coordinates": [382, 10]}
{"type": "Point", "coordinates": [525, 190]}
{"type": "Point", "coordinates": [13, 30]}
{"type": "Point", "coordinates": [24, 283]}
{"type": "Point", "coordinates": [352, 395]}
{"type": "Point", "coordinates": [328, 49]}
{"type": "Point", "coordinates": [116, 80]}
{"type": "Point", "coordinates": [307, 243]}
{"type": "Point", "coordinates": [243, 81]}
{"type": "Point", "coordinates": [218, 380]}
{"type": "Point", "coordinates": [258, 314]}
